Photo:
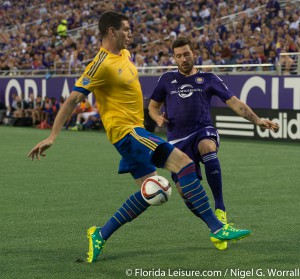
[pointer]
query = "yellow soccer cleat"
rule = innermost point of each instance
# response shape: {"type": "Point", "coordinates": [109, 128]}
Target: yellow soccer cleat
{"type": "Point", "coordinates": [222, 216]}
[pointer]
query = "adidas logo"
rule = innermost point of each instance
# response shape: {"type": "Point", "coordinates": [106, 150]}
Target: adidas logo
{"type": "Point", "coordinates": [174, 81]}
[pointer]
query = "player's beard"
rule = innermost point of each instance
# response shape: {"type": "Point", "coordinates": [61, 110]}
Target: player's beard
{"type": "Point", "coordinates": [186, 69]}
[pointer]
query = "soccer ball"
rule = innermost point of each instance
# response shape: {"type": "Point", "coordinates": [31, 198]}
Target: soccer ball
{"type": "Point", "coordinates": [156, 190]}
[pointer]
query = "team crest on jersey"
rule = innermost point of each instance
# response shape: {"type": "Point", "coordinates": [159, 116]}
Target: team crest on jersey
{"type": "Point", "coordinates": [85, 81]}
{"type": "Point", "coordinates": [120, 71]}
{"type": "Point", "coordinates": [199, 80]}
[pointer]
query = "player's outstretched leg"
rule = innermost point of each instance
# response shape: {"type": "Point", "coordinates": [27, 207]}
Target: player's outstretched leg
{"type": "Point", "coordinates": [195, 194]}
{"type": "Point", "coordinates": [214, 178]}
{"type": "Point", "coordinates": [132, 208]}
{"type": "Point", "coordinates": [220, 214]}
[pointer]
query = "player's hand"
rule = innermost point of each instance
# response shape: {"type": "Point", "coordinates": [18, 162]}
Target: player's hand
{"type": "Point", "coordinates": [268, 124]}
{"type": "Point", "coordinates": [39, 149]}
{"type": "Point", "coordinates": [161, 120]}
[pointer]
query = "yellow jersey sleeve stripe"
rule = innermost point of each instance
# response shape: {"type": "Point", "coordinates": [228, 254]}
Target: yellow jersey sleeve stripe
{"type": "Point", "coordinates": [150, 144]}
{"type": "Point", "coordinates": [93, 69]}
{"type": "Point", "coordinates": [95, 63]}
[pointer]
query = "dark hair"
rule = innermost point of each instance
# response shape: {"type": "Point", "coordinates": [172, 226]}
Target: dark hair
{"type": "Point", "coordinates": [110, 19]}
{"type": "Point", "coordinates": [182, 41]}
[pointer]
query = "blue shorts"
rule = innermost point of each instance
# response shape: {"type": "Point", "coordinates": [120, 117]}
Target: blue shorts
{"type": "Point", "coordinates": [137, 149]}
{"type": "Point", "coordinates": [190, 147]}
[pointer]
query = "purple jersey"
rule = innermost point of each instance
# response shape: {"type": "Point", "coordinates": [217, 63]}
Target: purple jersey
{"type": "Point", "coordinates": [187, 100]}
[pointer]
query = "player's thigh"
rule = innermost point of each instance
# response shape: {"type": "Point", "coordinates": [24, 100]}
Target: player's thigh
{"type": "Point", "coordinates": [207, 145]}
{"type": "Point", "coordinates": [177, 160]}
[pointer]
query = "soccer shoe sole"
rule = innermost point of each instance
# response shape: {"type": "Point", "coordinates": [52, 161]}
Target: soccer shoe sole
{"type": "Point", "coordinates": [221, 244]}
{"type": "Point", "coordinates": [216, 240]}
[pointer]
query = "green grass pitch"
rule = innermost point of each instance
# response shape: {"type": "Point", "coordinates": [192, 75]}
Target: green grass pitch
{"type": "Point", "coordinates": [46, 207]}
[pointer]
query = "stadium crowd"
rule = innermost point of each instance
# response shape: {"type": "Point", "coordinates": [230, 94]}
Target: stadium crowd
{"type": "Point", "coordinates": [62, 35]}
{"type": "Point", "coordinates": [39, 34]}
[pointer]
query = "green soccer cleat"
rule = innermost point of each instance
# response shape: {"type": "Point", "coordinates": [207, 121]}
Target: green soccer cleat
{"type": "Point", "coordinates": [96, 243]}
{"type": "Point", "coordinates": [228, 233]}
{"type": "Point", "coordinates": [222, 216]}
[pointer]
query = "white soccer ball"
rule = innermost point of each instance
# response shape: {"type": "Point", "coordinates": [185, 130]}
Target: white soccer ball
{"type": "Point", "coordinates": [156, 190]}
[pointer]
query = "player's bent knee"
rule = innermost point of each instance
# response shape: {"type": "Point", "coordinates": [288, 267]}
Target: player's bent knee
{"type": "Point", "coordinates": [161, 154]}
{"type": "Point", "coordinates": [207, 146]}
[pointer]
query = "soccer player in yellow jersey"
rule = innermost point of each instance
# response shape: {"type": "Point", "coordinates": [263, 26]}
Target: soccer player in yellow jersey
{"type": "Point", "coordinates": [113, 79]}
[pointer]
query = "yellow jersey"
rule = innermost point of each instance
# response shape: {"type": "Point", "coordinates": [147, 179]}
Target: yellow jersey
{"type": "Point", "coordinates": [115, 83]}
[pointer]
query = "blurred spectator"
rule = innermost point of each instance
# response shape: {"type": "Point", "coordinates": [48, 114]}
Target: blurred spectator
{"type": "Point", "coordinates": [75, 63]}
{"type": "Point", "coordinates": [273, 8]}
{"type": "Point", "coordinates": [140, 62]}
{"type": "Point", "coordinates": [286, 63]}
{"type": "Point", "coordinates": [62, 29]}
{"type": "Point", "coordinates": [20, 105]}
{"type": "Point", "coordinates": [255, 59]}
{"type": "Point", "coordinates": [84, 106]}
{"type": "Point", "coordinates": [273, 59]}
{"type": "Point", "coordinates": [206, 60]}
{"type": "Point", "coordinates": [245, 59]}
{"type": "Point", "coordinates": [47, 113]}
{"type": "Point", "coordinates": [86, 120]}
{"type": "Point", "coordinates": [226, 51]}
{"type": "Point", "coordinates": [219, 61]}
{"type": "Point", "coordinates": [205, 14]}
{"type": "Point", "coordinates": [30, 106]}
{"type": "Point", "coordinates": [295, 22]}
{"type": "Point", "coordinates": [151, 63]}
{"type": "Point", "coordinates": [2, 111]}
{"type": "Point", "coordinates": [37, 113]}
{"type": "Point", "coordinates": [55, 107]}
{"type": "Point", "coordinates": [221, 29]}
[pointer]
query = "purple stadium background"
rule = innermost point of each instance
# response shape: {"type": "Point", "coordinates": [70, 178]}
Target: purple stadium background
{"type": "Point", "coordinates": [264, 92]}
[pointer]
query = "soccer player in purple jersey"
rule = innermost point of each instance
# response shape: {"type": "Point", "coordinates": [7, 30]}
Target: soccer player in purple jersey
{"type": "Point", "coordinates": [186, 94]}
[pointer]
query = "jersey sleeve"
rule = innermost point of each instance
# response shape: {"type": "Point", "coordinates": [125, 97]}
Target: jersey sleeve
{"type": "Point", "coordinates": [81, 85]}
{"type": "Point", "coordinates": [93, 76]}
{"type": "Point", "coordinates": [220, 89]}
{"type": "Point", "coordinates": [159, 92]}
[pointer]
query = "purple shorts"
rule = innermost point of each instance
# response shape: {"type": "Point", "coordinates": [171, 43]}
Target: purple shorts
{"type": "Point", "coordinates": [190, 147]}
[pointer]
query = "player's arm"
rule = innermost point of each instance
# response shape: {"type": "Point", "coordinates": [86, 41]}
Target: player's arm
{"type": "Point", "coordinates": [246, 112]}
{"type": "Point", "coordinates": [155, 113]}
{"type": "Point", "coordinates": [60, 119]}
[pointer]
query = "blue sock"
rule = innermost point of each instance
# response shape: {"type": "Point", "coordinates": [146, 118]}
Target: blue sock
{"type": "Point", "coordinates": [195, 194]}
{"type": "Point", "coordinates": [214, 177]}
{"type": "Point", "coordinates": [191, 207]}
{"type": "Point", "coordinates": [132, 208]}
